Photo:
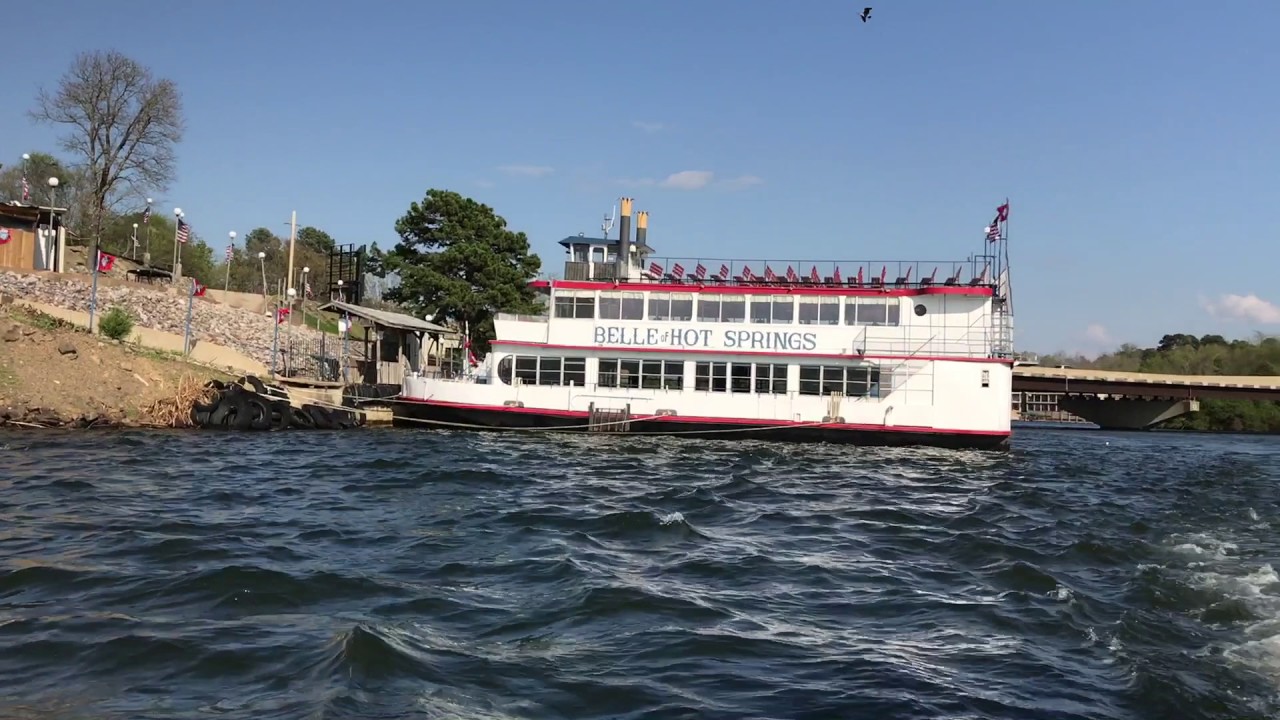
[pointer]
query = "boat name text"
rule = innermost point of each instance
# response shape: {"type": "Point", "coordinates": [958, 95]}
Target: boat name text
{"type": "Point", "coordinates": [692, 338]}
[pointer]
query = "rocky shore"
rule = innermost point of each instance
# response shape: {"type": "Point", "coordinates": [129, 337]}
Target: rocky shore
{"type": "Point", "coordinates": [52, 375]}
{"type": "Point", "coordinates": [159, 307]}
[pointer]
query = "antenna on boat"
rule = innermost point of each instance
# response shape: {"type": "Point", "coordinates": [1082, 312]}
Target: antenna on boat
{"type": "Point", "coordinates": [609, 220]}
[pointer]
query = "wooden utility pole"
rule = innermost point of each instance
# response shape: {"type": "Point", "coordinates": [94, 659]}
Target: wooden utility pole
{"type": "Point", "coordinates": [293, 233]}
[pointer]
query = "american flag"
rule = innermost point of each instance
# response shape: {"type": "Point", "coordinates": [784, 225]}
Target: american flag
{"type": "Point", "coordinates": [678, 271]}
{"type": "Point", "coordinates": [724, 272]}
{"type": "Point", "coordinates": [769, 275]}
{"type": "Point", "coordinates": [791, 275]}
{"type": "Point", "coordinates": [306, 288]}
{"type": "Point", "coordinates": [813, 275]}
{"type": "Point", "coordinates": [835, 276]}
{"type": "Point", "coordinates": [146, 215]}
{"type": "Point", "coordinates": [700, 271]}
{"type": "Point", "coordinates": [26, 190]}
{"type": "Point", "coordinates": [231, 249]}
{"type": "Point", "coordinates": [655, 270]}
{"type": "Point", "coordinates": [184, 231]}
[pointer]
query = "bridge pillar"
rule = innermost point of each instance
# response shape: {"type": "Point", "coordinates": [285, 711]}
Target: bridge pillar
{"type": "Point", "coordinates": [1122, 413]}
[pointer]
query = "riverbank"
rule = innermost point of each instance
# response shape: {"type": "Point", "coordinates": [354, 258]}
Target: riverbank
{"type": "Point", "coordinates": [55, 375]}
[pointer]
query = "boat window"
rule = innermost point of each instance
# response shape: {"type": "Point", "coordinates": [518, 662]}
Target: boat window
{"type": "Point", "coordinates": [784, 309]}
{"type": "Point", "coordinates": [771, 378]}
{"type": "Point", "coordinates": [619, 373]}
{"type": "Point", "coordinates": [527, 369]}
{"type": "Point", "coordinates": [682, 307]}
{"type": "Point", "coordinates": [740, 378]}
{"type": "Point", "coordinates": [574, 305]}
{"type": "Point", "coordinates": [710, 376]}
{"type": "Point", "coordinates": [733, 308]}
{"type": "Point", "coordinates": [852, 381]}
{"type": "Point", "coordinates": [504, 370]}
{"type": "Point", "coordinates": [548, 371]}
{"type": "Point", "coordinates": [610, 306]}
{"type": "Point", "coordinates": [810, 379]}
{"type": "Point", "coordinates": [632, 306]}
{"type": "Point", "coordinates": [709, 308]}
{"type": "Point", "coordinates": [659, 306]}
{"type": "Point", "coordinates": [761, 308]}
{"type": "Point", "coordinates": [662, 374]}
{"type": "Point", "coordinates": [872, 311]}
{"type": "Point", "coordinates": [575, 371]}
{"type": "Point", "coordinates": [819, 310]}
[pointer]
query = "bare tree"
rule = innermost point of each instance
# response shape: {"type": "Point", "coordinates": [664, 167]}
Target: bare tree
{"type": "Point", "coordinates": [123, 123]}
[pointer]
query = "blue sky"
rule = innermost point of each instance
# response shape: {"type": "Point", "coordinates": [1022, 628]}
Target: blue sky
{"type": "Point", "coordinates": [1137, 140]}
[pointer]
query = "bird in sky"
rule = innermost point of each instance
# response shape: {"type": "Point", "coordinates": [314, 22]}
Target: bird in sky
{"type": "Point", "coordinates": [866, 14]}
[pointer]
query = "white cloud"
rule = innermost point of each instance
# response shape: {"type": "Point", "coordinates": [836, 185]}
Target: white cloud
{"type": "Point", "coordinates": [526, 170]}
{"type": "Point", "coordinates": [689, 180]}
{"type": "Point", "coordinates": [1098, 335]}
{"type": "Point", "coordinates": [1249, 308]}
{"type": "Point", "coordinates": [743, 181]}
{"type": "Point", "coordinates": [649, 127]}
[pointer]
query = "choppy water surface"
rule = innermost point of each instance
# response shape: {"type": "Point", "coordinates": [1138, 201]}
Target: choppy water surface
{"type": "Point", "coordinates": [436, 574]}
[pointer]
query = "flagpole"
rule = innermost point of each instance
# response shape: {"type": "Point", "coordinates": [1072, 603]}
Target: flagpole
{"type": "Point", "coordinates": [1008, 272]}
{"type": "Point", "coordinates": [93, 298]}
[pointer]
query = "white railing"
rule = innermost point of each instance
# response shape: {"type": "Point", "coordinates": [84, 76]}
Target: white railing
{"type": "Point", "coordinates": [522, 318]}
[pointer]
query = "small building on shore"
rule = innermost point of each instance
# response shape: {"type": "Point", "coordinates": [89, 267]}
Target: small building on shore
{"type": "Point", "coordinates": [32, 237]}
{"type": "Point", "coordinates": [393, 345]}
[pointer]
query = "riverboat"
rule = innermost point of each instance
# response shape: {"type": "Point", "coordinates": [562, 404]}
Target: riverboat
{"type": "Point", "coordinates": [866, 353]}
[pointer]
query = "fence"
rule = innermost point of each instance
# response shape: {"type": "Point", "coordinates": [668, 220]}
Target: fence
{"type": "Point", "coordinates": [310, 357]}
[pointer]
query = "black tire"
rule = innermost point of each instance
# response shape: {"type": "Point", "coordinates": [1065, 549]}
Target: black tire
{"type": "Point", "coordinates": [199, 417]}
{"type": "Point", "coordinates": [253, 382]}
{"type": "Point", "coordinates": [226, 407]}
{"type": "Point", "coordinates": [259, 412]}
{"type": "Point", "coordinates": [323, 419]}
{"type": "Point", "coordinates": [345, 419]}
{"type": "Point", "coordinates": [216, 384]}
{"type": "Point", "coordinates": [281, 415]}
{"type": "Point", "coordinates": [301, 418]}
{"type": "Point", "coordinates": [241, 417]}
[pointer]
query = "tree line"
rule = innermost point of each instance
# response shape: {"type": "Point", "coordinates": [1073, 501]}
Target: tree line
{"type": "Point", "coordinates": [457, 261]}
{"type": "Point", "coordinates": [1186, 354]}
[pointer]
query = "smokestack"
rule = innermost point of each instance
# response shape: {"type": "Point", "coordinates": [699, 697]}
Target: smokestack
{"type": "Point", "coordinates": [624, 239]}
{"type": "Point", "coordinates": [642, 227]}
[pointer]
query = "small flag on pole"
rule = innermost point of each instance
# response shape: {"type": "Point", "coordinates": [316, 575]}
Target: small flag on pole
{"type": "Point", "coordinates": [26, 190]}
{"type": "Point", "coordinates": [146, 215]}
{"type": "Point", "coordinates": [184, 231]}
{"type": "Point", "coordinates": [197, 289]}
{"type": "Point", "coordinates": [105, 262]}
{"type": "Point", "coordinates": [700, 271]}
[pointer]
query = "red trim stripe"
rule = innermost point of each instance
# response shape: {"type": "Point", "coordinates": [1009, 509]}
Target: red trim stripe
{"type": "Point", "coordinates": [708, 419]}
{"type": "Point", "coordinates": [752, 353]}
{"type": "Point", "coordinates": [971, 290]}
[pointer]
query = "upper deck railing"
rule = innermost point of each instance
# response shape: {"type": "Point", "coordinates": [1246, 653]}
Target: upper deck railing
{"type": "Point", "coordinates": [975, 271]}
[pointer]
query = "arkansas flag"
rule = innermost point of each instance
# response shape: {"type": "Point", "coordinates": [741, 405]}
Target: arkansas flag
{"type": "Point", "coordinates": [197, 289]}
{"type": "Point", "coordinates": [105, 262]}
{"type": "Point", "coordinates": [281, 315]}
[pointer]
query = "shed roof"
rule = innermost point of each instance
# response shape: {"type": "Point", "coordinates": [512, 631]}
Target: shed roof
{"type": "Point", "coordinates": [386, 318]}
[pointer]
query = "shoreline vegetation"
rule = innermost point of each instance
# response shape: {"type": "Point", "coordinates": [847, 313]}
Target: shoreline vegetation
{"type": "Point", "coordinates": [55, 375]}
{"type": "Point", "coordinates": [1185, 354]}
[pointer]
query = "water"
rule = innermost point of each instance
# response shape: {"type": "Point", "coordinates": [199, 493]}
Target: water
{"type": "Point", "coordinates": [391, 574]}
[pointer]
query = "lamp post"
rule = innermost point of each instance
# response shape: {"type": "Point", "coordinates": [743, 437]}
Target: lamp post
{"type": "Point", "coordinates": [226, 283]}
{"type": "Point", "coordinates": [177, 246]}
{"type": "Point", "coordinates": [262, 261]}
{"type": "Point", "coordinates": [135, 240]}
{"type": "Point", "coordinates": [288, 342]}
{"type": "Point", "coordinates": [146, 220]}
{"type": "Point", "coordinates": [302, 304]}
{"type": "Point", "coordinates": [53, 234]}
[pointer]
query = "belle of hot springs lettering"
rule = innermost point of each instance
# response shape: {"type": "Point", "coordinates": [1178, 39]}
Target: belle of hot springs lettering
{"type": "Point", "coordinates": [695, 338]}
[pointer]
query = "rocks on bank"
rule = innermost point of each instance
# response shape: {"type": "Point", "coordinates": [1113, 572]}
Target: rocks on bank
{"type": "Point", "coordinates": [161, 308]}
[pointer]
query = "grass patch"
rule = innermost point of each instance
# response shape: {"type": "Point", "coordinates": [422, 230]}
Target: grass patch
{"type": "Point", "coordinates": [37, 319]}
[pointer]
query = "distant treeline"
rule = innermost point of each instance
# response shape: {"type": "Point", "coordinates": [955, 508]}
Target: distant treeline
{"type": "Point", "coordinates": [1185, 354]}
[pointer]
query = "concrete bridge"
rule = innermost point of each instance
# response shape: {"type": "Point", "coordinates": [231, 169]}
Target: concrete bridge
{"type": "Point", "coordinates": [1134, 401]}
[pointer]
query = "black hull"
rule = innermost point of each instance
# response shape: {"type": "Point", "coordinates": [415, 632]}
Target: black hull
{"type": "Point", "coordinates": [419, 414]}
